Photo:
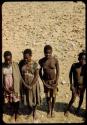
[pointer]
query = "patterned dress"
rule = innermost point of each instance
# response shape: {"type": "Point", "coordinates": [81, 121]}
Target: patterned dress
{"type": "Point", "coordinates": [9, 85]}
{"type": "Point", "coordinates": [32, 96]}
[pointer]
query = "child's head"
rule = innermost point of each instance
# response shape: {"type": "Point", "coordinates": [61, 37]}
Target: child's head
{"type": "Point", "coordinates": [47, 51]}
{"type": "Point", "coordinates": [27, 54]}
{"type": "Point", "coordinates": [8, 57]}
{"type": "Point", "coordinates": [82, 57]}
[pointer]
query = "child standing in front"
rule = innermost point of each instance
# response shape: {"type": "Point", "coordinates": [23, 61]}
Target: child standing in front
{"type": "Point", "coordinates": [49, 74]}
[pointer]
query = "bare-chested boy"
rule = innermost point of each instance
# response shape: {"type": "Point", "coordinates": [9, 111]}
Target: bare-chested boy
{"type": "Point", "coordinates": [76, 82]}
{"type": "Point", "coordinates": [49, 74]}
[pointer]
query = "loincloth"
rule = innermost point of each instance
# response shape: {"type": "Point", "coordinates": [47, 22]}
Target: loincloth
{"type": "Point", "coordinates": [49, 90]}
{"type": "Point", "coordinates": [79, 90]}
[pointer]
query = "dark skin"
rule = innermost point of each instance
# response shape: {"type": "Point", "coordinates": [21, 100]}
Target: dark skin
{"type": "Point", "coordinates": [8, 62]}
{"type": "Point", "coordinates": [76, 90]}
{"type": "Point", "coordinates": [46, 62]}
{"type": "Point", "coordinates": [84, 74]}
{"type": "Point", "coordinates": [15, 106]}
{"type": "Point", "coordinates": [28, 59]}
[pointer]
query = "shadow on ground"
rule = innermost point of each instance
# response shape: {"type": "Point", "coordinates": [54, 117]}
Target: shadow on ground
{"type": "Point", "coordinates": [59, 107]}
{"type": "Point", "coordinates": [23, 110]}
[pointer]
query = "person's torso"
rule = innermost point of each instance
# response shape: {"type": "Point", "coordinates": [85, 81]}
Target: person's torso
{"type": "Point", "coordinates": [49, 69]}
{"type": "Point", "coordinates": [28, 71]}
{"type": "Point", "coordinates": [7, 76]}
{"type": "Point", "coordinates": [77, 77]}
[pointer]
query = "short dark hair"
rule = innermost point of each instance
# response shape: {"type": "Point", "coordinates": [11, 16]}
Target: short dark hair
{"type": "Point", "coordinates": [47, 47]}
{"type": "Point", "coordinates": [27, 51]}
{"type": "Point", "coordinates": [81, 54]}
{"type": "Point", "coordinates": [7, 53]}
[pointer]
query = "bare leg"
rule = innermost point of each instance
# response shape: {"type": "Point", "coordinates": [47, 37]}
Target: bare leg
{"type": "Point", "coordinates": [52, 108]}
{"type": "Point", "coordinates": [80, 100]}
{"type": "Point", "coordinates": [49, 107]}
{"type": "Point", "coordinates": [15, 106]}
{"type": "Point", "coordinates": [16, 109]}
{"type": "Point", "coordinates": [34, 112]}
{"type": "Point", "coordinates": [70, 103]}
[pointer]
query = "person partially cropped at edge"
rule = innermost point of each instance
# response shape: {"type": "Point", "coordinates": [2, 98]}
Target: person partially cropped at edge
{"type": "Point", "coordinates": [77, 85]}
{"type": "Point", "coordinates": [11, 82]}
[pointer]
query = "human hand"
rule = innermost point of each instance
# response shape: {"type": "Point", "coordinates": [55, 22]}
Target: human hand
{"type": "Point", "coordinates": [11, 89]}
{"type": "Point", "coordinates": [30, 87]}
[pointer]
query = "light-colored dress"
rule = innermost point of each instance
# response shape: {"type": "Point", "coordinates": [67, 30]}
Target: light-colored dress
{"type": "Point", "coordinates": [32, 96]}
{"type": "Point", "coordinates": [8, 81]}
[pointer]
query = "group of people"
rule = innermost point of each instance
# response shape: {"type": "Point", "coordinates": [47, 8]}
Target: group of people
{"type": "Point", "coordinates": [20, 82]}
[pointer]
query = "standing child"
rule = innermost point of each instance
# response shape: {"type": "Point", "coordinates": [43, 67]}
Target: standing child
{"type": "Point", "coordinates": [77, 85]}
{"type": "Point", "coordinates": [49, 74]}
{"type": "Point", "coordinates": [11, 82]}
{"type": "Point", "coordinates": [30, 73]}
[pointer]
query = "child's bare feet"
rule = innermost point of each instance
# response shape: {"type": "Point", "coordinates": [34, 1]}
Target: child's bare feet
{"type": "Point", "coordinates": [49, 115]}
{"type": "Point", "coordinates": [66, 113]}
{"type": "Point", "coordinates": [53, 114]}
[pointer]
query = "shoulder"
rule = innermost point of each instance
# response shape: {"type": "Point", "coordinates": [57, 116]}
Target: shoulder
{"type": "Point", "coordinates": [74, 65]}
{"type": "Point", "coordinates": [15, 64]}
{"type": "Point", "coordinates": [55, 58]}
{"type": "Point", "coordinates": [35, 64]}
{"type": "Point", "coordinates": [3, 64]}
{"type": "Point", "coordinates": [21, 62]}
{"type": "Point", "coordinates": [41, 60]}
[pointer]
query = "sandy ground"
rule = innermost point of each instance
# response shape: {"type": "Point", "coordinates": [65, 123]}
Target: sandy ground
{"type": "Point", "coordinates": [35, 24]}
{"type": "Point", "coordinates": [62, 99]}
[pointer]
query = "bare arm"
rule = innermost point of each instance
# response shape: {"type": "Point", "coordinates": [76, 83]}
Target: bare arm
{"type": "Point", "coordinates": [35, 77]}
{"type": "Point", "coordinates": [70, 74]}
{"type": "Point", "coordinates": [57, 73]}
{"type": "Point", "coordinates": [71, 78]}
{"type": "Point", "coordinates": [27, 86]}
{"type": "Point", "coordinates": [40, 73]}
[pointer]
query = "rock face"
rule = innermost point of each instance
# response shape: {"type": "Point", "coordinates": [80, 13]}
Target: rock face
{"type": "Point", "coordinates": [35, 24]}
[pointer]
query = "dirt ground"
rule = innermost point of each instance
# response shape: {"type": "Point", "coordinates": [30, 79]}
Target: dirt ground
{"type": "Point", "coordinates": [35, 24]}
{"type": "Point", "coordinates": [61, 104]}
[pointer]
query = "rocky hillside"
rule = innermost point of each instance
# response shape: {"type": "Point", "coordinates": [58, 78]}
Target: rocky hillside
{"type": "Point", "coordinates": [35, 24]}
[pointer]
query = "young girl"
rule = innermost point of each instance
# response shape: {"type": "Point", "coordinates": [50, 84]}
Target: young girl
{"type": "Point", "coordinates": [31, 89]}
{"type": "Point", "coordinates": [11, 81]}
